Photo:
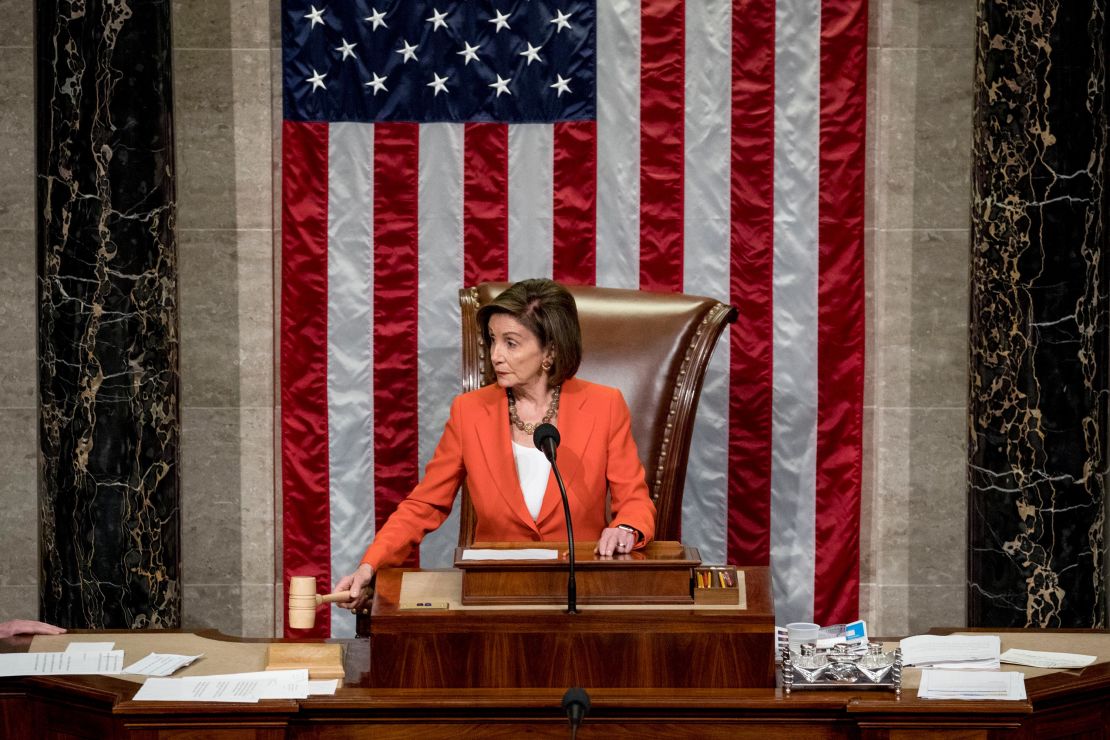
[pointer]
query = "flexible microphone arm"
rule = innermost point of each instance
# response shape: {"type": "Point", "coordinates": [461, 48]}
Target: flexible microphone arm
{"type": "Point", "coordinates": [546, 439]}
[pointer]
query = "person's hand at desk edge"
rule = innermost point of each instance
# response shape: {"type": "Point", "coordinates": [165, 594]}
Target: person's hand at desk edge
{"type": "Point", "coordinates": [28, 627]}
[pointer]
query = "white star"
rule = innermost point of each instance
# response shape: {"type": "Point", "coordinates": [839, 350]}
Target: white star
{"type": "Point", "coordinates": [501, 86]}
{"type": "Point", "coordinates": [347, 50]}
{"type": "Point", "coordinates": [437, 19]}
{"type": "Point", "coordinates": [561, 85]}
{"type": "Point", "coordinates": [376, 17]}
{"type": "Point", "coordinates": [533, 54]}
{"type": "Point", "coordinates": [501, 20]}
{"type": "Point", "coordinates": [378, 83]}
{"type": "Point", "coordinates": [317, 80]}
{"type": "Point", "coordinates": [469, 53]}
{"type": "Point", "coordinates": [408, 51]}
{"type": "Point", "coordinates": [316, 16]}
{"type": "Point", "coordinates": [560, 21]}
{"type": "Point", "coordinates": [439, 83]}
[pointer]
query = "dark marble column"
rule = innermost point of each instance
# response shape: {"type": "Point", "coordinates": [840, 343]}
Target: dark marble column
{"type": "Point", "coordinates": [108, 342]}
{"type": "Point", "coordinates": [1037, 406]}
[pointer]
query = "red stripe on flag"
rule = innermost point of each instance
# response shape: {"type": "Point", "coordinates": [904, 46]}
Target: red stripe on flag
{"type": "Point", "coordinates": [574, 206]}
{"type": "Point", "coordinates": [840, 309]}
{"type": "Point", "coordinates": [752, 239]}
{"type": "Point", "coordinates": [306, 545]}
{"type": "Point", "coordinates": [485, 202]}
{"type": "Point", "coordinates": [662, 117]}
{"type": "Point", "coordinates": [396, 296]}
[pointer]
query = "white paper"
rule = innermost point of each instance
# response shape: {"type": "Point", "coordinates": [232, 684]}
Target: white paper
{"type": "Point", "coordinates": [930, 649]}
{"type": "Point", "coordinates": [230, 687]}
{"type": "Point", "coordinates": [206, 688]}
{"type": "Point", "coordinates": [1042, 659]}
{"type": "Point", "coordinates": [160, 664]}
{"type": "Point", "coordinates": [990, 664]}
{"type": "Point", "coordinates": [323, 686]}
{"type": "Point", "coordinates": [972, 685]}
{"type": "Point", "coordinates": [90, 647]}
{"type": "Point", "coordinates": [60, 664]}
{"type": "Point", "coordinates": [534, 553]}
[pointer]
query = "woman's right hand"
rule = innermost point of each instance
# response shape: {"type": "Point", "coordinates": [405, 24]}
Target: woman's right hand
{"type": "Point", "coordinates": [357, 584]}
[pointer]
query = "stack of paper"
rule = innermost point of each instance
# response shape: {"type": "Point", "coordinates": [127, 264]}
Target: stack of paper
{"type": "Point", "coordinates": [236, 687]}
{"type": "Point", "coordinates": [960, 652]}
{"type": "Point", "coordinates": [160, 664]}
{"type": "Point", "coordinates": [58, 664]}
{"type": "Point", "coordinates": [973, 685]}
{"type": "Point", "coordinates": [1042, 659]}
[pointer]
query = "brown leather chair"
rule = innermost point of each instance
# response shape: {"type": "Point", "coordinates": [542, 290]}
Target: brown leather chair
{"type": "Point", "coordinates": [655, 348]}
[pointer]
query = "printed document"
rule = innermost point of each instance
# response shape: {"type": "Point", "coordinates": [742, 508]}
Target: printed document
{"type": "Point", "coordinates": [231, 687]}
{"type": "Point", "coordinates": [1042, 659]}
{"type": "Point", "coordinates": [90, 647]}
{"type": "Point", "coordinates": [59, 664]}
{"type": "Point", "coordinates": [971, 685]}
{"type": "Point", "coordinates": [160, 664]}
{"type": "Point", "coordinates": [954, 651]}
{"type": "Point", "coordinates": [528, 553]}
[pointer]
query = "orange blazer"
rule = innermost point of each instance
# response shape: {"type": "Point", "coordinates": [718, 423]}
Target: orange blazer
{"type": "Point", "coordinates": [596, 453]}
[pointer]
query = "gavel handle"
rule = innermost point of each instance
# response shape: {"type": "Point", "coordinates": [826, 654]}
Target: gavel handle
{"type": "Point", "coordinates": [332, 598]}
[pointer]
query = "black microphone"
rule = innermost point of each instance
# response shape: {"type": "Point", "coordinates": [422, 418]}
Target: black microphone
{"type": "Point", "coordinates": [546, 438]}
{"type": "Point", "coordinates": [576, 703]}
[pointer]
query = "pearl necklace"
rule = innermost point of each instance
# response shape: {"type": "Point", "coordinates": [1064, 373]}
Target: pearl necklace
{"type": "Point", "coordinates": [531, 428]}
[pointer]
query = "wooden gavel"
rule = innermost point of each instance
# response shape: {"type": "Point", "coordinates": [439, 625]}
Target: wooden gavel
{"type": "Point", "coordinates": [303, 601]}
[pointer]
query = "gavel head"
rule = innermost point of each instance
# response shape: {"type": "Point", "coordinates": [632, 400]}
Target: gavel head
{"type": "Point", "coordinates": [302, 602]}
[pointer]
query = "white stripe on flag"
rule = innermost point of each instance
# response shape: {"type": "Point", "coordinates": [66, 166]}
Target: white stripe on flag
{"type": "Point", "coordinates": [438, 341]}
{"type": "Point", "coordinates": [618, 144]}
{"type": "Point", "coordinates": [350, 350]}
{"type": "Point", "coordinates": [531, 178]}
{"type": "Point", "coordinates": [706, 262]}
{"type": "Point", "coordinates": [794, 395]}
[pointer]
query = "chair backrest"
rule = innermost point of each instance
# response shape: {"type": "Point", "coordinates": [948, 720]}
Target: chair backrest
{"type": "Point", "coordinates": [654, 347]}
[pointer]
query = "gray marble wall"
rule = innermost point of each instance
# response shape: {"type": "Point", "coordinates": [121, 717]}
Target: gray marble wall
{"type": "Point", "coordinates": [226, 68]}
{"type": "Point", "coordinates": [18, 402]}
{"type": "Point", "coordinates": [223, 55]}
{"type": "Point", "coordinates": [913, 541]}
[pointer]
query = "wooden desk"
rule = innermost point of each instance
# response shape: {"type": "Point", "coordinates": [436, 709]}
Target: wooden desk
{"type": "Point", "coordinates": [1067, 704]}
{"type": "Point", "coordinates": [617, 646]}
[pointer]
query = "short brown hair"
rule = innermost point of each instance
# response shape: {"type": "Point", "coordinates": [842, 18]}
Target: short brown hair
{"type": "Point", "coordinates": [548, 310]}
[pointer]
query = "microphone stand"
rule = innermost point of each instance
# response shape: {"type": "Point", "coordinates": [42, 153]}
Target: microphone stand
{"type": "Point", "coordinates": [546, 439]}
{"type": "Point", "coordinates": [572, 587]}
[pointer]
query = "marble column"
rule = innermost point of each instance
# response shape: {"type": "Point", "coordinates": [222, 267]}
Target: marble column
{"type": "Point", "coordinates": [108, 341]}
{"type": "Point", "coordinates": [1038, 322]}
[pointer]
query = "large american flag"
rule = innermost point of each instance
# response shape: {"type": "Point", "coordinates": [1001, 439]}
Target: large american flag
{"type": "Point", "coordinates": [709, 147]}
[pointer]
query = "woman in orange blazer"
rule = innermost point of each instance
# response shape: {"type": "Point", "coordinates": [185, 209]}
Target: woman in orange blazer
{"type": "Point", "coordinates": [535, 348]}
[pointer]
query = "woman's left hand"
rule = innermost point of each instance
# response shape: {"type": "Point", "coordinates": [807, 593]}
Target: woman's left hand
{"type": "Point", "coordinates": [615, 541]}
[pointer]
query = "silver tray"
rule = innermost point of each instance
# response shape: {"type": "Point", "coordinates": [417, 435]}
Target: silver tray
{"type": "Point", "coordinates": [839, 669]}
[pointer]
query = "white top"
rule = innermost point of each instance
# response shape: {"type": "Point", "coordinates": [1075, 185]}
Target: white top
{"type": "Point", "coordinates": [533, 470]}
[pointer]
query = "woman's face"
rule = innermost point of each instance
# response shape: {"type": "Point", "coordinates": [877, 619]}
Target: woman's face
{"type": "Point", "coordinates": [515, 352]}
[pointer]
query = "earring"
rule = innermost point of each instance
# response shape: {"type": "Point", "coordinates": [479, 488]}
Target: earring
{"type": "Point", "coordinates": [546, 365]}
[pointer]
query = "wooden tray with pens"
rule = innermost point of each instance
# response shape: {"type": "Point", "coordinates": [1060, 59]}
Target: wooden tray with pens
{"type": "Point", "coordinates": [716, 584]}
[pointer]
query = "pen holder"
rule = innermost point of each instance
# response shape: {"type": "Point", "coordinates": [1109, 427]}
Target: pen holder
{"type": "Point", "coordinates": [716, 584]}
